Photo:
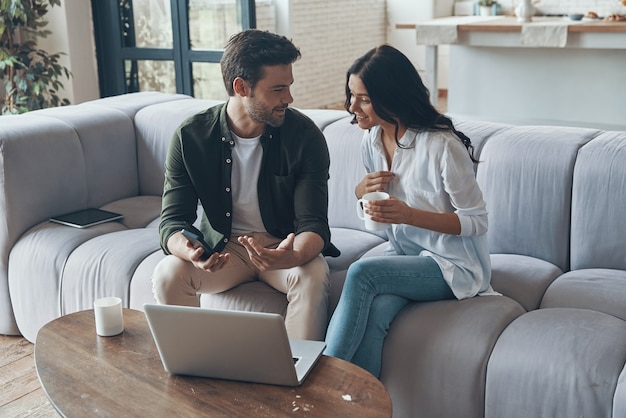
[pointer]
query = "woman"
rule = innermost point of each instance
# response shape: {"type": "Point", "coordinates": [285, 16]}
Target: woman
{"type": "Point", "coordinates": [437, 243]}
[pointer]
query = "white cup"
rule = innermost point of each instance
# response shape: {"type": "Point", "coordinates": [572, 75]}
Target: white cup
{"type": "Point", "coordinates": [369, 224]}
{"type": "Point", "coordinates": [108, 313]}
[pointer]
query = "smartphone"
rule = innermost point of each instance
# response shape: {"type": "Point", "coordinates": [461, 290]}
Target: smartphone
{"type": "Point", "coordinates": [197, 241]}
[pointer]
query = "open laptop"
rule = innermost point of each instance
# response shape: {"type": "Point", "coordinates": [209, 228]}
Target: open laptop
{"type": "Point", "coordinates": [234, 345]}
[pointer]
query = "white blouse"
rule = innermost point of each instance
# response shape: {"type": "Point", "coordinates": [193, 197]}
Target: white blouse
{"type": "Point", "coordinates": [433, 172]}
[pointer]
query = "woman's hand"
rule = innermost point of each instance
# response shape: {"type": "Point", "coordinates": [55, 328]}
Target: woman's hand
{"type": "Point", "coordinates": [391, 211]}
{"type": "Point", "coordinates": [373, 182]}
{"type": "Point", "coordinates": [395, 211]}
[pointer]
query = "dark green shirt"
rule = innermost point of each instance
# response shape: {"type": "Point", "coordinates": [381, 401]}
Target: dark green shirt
{"type": "Point", "coordinates": [292, 184]}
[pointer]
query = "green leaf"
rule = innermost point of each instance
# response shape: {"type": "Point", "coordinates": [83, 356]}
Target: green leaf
{"type": "Point", "coordinates": [31, 77]}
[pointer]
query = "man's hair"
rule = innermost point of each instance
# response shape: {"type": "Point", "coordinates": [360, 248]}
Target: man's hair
{"type": "Point", "coordinates": [247, 52]}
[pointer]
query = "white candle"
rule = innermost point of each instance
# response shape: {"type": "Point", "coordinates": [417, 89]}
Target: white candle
{"type": "Point", "coordinates": [108, 314]}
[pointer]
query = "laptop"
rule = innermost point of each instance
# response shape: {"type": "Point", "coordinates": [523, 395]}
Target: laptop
{"type": "Point", "coordinates": [233, 345]}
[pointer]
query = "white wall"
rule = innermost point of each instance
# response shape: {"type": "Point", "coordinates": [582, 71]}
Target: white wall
{"type": "Point", "coordinates": [411, 12]}
{"type": "Point", "coordinates": [72, 33]}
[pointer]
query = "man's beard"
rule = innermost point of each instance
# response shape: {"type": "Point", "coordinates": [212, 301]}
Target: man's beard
{"type": "Point", "coordinates": [259, 113]}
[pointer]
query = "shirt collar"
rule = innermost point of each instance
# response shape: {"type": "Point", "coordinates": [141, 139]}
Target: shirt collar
{"type": "Point", "coordinates": [406, 141]}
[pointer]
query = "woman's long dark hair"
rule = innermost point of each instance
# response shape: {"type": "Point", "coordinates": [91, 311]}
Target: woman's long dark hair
{"type": "Point", "coordinates": [397, 93]}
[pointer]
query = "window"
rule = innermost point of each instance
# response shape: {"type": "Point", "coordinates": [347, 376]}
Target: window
{"type": "Point", "coordinates": [172, 46]}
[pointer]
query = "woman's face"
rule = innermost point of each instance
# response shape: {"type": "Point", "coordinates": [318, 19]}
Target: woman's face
{"type": "Point", "coordinates": [361, 105]}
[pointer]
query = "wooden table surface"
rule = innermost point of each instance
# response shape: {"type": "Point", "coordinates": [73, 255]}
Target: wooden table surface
{"type": "Point", "coordinates": [86, 375]}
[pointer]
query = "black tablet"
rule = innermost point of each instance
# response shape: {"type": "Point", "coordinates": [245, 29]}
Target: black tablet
{"type": "Point", "coordinates": [86, 218]}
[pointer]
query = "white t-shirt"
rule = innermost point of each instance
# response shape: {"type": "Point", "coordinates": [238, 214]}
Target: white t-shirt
{"type": "Point", "coordinates": [247, 155]}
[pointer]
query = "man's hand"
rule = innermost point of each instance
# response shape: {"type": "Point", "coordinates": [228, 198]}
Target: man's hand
{"type": "Point", "coordinates": [282, 257]}
{"type": "Point", "coordinates": [212, 263]}
{"type": "Point", "coordinates": [182, 248]}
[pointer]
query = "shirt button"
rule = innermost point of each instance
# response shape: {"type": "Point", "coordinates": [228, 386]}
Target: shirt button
{"type": "Point", "coordinates": [228, 161]}
{"type": "Point", "coordinates": [225, 239]}
{"type": "Point", "coordinates": [223, 139]}
{"type": "Point", "coordinates": [232, 142]}
{"type": "Point", "coordinates": [228, 189]}
{"type": "Point", "coordinates": [228, 214]}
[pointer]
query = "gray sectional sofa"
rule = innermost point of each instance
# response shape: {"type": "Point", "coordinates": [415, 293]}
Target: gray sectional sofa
{"type": "Point", "coordinates": [553, 345]}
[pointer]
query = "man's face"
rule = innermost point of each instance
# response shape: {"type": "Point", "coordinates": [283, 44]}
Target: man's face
{"type": "Point", "coordinates": [271, 96]}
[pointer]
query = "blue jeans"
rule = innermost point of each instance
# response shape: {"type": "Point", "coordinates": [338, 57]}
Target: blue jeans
{"type": "Point", "coordinates": [375, 291]}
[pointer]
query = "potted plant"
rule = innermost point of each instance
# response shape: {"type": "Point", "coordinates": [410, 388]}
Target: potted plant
{"type": "Point", "coordinates": [487, 7]}
{"type": "Point", "coordinates": [30, 76]}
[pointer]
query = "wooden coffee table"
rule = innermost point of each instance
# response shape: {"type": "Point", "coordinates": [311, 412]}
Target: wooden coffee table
{"type": "Point", "coordinates": [86, 375]}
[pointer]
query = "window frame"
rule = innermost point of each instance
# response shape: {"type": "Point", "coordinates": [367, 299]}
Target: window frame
{"type": "Point", "coordinates": [111, 52]}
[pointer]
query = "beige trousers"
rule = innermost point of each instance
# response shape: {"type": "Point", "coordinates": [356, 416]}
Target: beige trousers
{"type": "Point", "coordinates": [307, 287]}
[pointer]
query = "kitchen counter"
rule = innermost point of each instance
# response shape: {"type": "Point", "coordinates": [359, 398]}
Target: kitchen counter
{"type": "Point", "coordinates": [552, 70]}
{"type": "Point", "coordinates": [510, 24]}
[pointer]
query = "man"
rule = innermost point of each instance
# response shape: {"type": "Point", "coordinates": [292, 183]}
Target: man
{"type": "Point", "coordinates": [260, 171]}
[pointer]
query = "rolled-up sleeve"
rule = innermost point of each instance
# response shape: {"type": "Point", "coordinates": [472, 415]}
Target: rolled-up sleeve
{"type": "Point", "coordinates": [465, 195]}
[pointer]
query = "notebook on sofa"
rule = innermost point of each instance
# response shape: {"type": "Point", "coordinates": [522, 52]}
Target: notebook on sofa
{"type": "Point", "coordinates": [86, 218]}
{"type": "Point", "coordinates": [233, 345]}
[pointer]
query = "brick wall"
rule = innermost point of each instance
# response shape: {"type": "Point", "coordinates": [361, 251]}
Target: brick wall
{"type": "Point", "coordinates": [330, 35]}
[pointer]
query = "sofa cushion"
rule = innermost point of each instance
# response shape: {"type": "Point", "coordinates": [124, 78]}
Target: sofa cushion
{"type": "Point", "coordinates": [24, 139]}
{"type": "Point", "coordinates": [522, 278]}
{"type": "Point", "coordinates": [76, 266]}
{"type": "Point", "coordinates": [526, 178]}
{"type": "Point", "coordinates": [557, 362]}
{"type": "Point", "coordinates": [36, 287]}
{"type": "Point", "coordinates": [107, 151]}
{"type": "Point", "coordinates": [602, 290]}
{"type": "Point", "coordinates": [479, 132]}
{"type": "Point", "coordinates": [598, 202]}
{"type": "Point", "coordinates": [131, 103]}
{"type": "Point", "coordinates": [138, 211]}
{"type": "Point", "coordinates": [104, 265]}
{"type": "Point", "coordinates": [346, 171]}
{"type": "Point", "coordinates": [155, 126]}
{"type": "Point", "coordinates": [435, 356]}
